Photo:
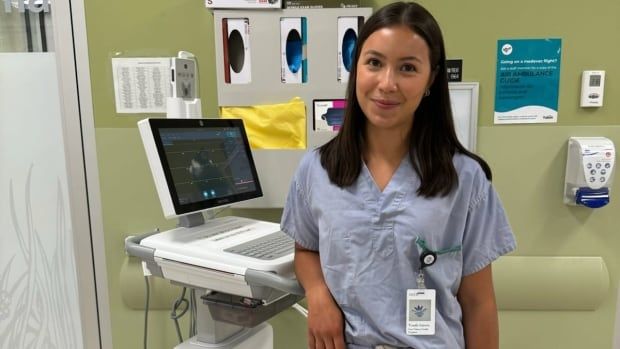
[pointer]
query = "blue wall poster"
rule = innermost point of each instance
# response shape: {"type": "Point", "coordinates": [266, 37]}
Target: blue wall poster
{"type": "Point", "coordinates": [527, 81]}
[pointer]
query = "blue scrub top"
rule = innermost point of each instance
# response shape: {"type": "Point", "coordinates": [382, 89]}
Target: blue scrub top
{"type": "Point", "coordinates": [366, 240]}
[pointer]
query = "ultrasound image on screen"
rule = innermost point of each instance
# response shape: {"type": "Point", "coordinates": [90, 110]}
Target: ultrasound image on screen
{"type": "Point", "coordinates": [207, 163]}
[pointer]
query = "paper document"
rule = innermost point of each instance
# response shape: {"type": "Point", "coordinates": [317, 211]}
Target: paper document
{"type": "Point", "coordinates": [141, 85]}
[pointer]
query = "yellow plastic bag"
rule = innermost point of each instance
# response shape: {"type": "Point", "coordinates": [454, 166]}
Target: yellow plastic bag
{"type": "Point", "coordinates": [272, 126]}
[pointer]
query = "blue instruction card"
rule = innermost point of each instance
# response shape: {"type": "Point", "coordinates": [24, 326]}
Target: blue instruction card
{"type": "Point", "coordinates": [527, 81]}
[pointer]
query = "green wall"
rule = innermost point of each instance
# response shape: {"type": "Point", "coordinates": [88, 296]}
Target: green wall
{"type": "Point", "coordinates": [528, 160]}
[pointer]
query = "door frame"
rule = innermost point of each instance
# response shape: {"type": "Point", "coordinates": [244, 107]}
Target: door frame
{"type": "Point", "coordinates": [71, 48]}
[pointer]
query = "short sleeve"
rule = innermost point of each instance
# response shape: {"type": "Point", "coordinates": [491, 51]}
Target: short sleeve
{"type": "Point", "coordinates": [487, 233]}
{"type": "Point", "coordinates": [297, 219]}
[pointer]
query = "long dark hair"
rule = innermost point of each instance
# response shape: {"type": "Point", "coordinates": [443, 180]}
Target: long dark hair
{"type": "Point", "coordinates": [432, 142]}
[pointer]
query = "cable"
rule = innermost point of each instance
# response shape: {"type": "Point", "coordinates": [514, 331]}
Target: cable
{"type": "Point", "coordinates": [195, 316]}
{"type": "Point", "coordinates": [173, 314]}
{"type": "Point", "coordinates": [303, 311]}
{"type": "Point", "coordinates": [192, 313]}
{"type": "Point", "coordinates": [146, 309]}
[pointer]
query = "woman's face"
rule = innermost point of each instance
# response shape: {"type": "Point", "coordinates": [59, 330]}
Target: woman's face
{"type": "Point", "coordinates": [393, 72]}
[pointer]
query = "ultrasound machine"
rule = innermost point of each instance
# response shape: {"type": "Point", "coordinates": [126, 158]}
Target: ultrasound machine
{"type": "Point", "coordinates": [242, 268]}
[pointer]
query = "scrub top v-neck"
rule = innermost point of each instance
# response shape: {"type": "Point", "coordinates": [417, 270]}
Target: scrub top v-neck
{"type": "Point", "coordinates": [366, 239]}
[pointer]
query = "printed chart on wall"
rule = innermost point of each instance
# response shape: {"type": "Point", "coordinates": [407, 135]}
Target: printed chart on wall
{"type": "Point", "coordinates": [527, 81]}
{"type": "Point", "coordinates": [141, 84]}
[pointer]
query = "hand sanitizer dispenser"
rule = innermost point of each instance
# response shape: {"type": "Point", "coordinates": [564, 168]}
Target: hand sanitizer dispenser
{"type": "Point", "coordinates": [589, 169]}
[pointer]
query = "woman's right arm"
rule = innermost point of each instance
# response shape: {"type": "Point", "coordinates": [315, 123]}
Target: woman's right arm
{"type": "Point", "coordinates": [325, 320]}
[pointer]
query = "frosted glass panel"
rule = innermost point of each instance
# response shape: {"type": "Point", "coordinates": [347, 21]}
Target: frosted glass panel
{"type": "Point", "coordinates": [26, 26]}
{"type": "Point", "coordinates": [38, 285]}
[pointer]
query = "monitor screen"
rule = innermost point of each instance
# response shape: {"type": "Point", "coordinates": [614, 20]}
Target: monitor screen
{"type": "Point", "coordinates": [206, 162]}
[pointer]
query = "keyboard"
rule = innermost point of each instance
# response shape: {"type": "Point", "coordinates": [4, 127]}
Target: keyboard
{"type": "Point", "coordinates": [268, 247]}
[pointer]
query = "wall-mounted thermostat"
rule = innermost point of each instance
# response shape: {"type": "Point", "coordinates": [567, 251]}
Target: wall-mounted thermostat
{"type": "Point", "coordinates": [592, 83]}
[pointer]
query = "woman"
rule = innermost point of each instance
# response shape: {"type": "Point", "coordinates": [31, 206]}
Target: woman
{"type": "Point", "coordinates": [395, 206]}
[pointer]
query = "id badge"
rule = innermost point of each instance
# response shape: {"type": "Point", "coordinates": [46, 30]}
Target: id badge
{"type": "Point", "coordinates": [420, 312]}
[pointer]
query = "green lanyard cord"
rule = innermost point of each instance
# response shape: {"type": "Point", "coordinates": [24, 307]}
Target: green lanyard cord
{"type": "Point", "coordinates": [422, 243]}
